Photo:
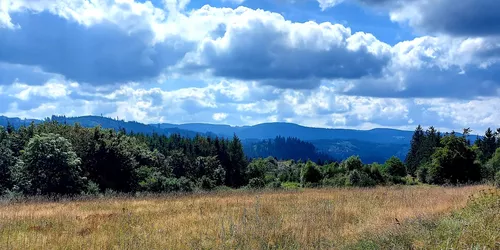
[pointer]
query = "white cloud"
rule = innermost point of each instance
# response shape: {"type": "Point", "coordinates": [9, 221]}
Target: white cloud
{"type": "Point", "coordinates": [325, 4]}
{"type": "Point", "coordinates": [262, 46]}
{"type": "Point", "coordinates": [219, 116]}
{"type": "Point", "coordinates": [253, 65]}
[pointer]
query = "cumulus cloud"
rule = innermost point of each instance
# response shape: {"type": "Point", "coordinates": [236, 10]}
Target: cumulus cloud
{"type": "Point", "coordinates": [219, 116]}
{"type": "Point", "coordinates": [458, 18]}
{"type": "Point", "coordinates": [435, 67]}
{"type": "Point", "coordinates": [92, 42]}
{"type": "Point", "coordinates": [122, 59]}
{"type": "Point", "coordinates": [461, 18]}
{"type": "Point", "coordinates": [263, 46]}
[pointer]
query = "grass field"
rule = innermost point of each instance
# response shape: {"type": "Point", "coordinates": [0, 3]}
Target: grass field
{"type": "Point", "coordinates": [379, 218]}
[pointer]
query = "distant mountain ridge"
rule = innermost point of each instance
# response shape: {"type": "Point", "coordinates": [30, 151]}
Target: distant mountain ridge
{"type": "Point", "coordinates": [271, 130]}
{"type": "Point", "coordinates": [373, 145]}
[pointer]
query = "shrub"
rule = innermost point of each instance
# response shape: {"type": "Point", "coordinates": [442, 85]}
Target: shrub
{"type": "Point", "coordinates": [497, 179]}
{"type": "Point", "coordinates": [256, 183]}
{"type": "Point", "coordinates": [290, 185]}
{"type": "Point", "coordinates": [394, 167]}
{"type": "Point", "coordinates": [275, 184]}
{"type": "Point", "coordinates": [206, 183]}
{"type": "Point", "coordinates": [337, 181]}
{"type": "Point", "coordinates": [360, 179]}
{"type": "Point", "coordinates": [422, 174]}
{"type": "Point", "coordinates": [311, 174]}
{"type": "Point", "coordinates": [92, 188]}
{"type": "Point", "coordinates": [352, 163]}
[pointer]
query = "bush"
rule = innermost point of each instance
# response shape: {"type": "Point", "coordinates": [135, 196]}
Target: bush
{"type": "Point", "coordinates": [394, 167]}
{"type": "Point", "coordinates": [275, 184]}
{"type": "Point", "coordinates": [422, 174]}
{"type": "Point", "coordinates": [408, 180]}
{"type": "Point", "coordinates": [290, 185]}
{"type": "Point", "coordinates": [360, 179]}
{"type": "Point", "coordinates": [352, 163]}
{"type": "Point", "coordinates": [311, 175]}
{"type": "Point", "coordinates": [497, 179]}
{"type": "Point", "coordinates": [337, 181]}
{"type": "Point", "coordinates": [206, 183]}
{"type": "Point", "coordinates": [92, 188]}
{"type": "Point", "coordinates": [181, 184]}
{"type": "Point", "coordinates": [256, 183]}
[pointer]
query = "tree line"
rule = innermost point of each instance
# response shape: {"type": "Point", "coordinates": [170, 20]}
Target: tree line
{"type": "Point", "coordinates": [450, 158]}
{"type": "Point", "coordinates": [53, 158]}
{"type": "Point", "coordinates": [285, 148]}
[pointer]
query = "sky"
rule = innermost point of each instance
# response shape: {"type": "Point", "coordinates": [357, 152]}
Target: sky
{"type": "Point", "coordinates": [323, 63]}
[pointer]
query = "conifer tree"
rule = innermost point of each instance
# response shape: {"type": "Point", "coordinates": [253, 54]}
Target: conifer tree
{"type": "Point", "coordinates": [413, 158]}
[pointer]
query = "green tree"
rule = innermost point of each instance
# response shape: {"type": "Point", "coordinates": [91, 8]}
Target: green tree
{"type": "Point", "coordinates": [7, 161]}
{"type": "Point", "coordinates": [49, 166]}
{"type": "Point", "coordinates": [492, 166]}
{"type": "Point", "coordinates": [414, 158]}
{"type": "Point", "coordinates": [257, 168]}
{"type": "Point", "coordinates": [358, 178]}
{"type": "Point", "coordinates": [237, 163]}
{"type": "Point", "coordinates": [209, 171]}
{"type": "Point", "coordinates": [112, 161]}
{"type": "Point", "coordinates": [395, 167]}
{"type": "Point", "coordinates": [352, 163]}
{"type": "Point", "coordinates": [311, 174]}
{"type": "Point", "coordinates": [453, 163]}
{"type": "Point", "coordinates": [497, 179]}
{"type": "Point", "coordinates": [488, 145]}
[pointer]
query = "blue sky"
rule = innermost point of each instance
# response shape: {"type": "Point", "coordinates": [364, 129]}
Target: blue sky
{"type": "Point", "coordinates": [324, 63]}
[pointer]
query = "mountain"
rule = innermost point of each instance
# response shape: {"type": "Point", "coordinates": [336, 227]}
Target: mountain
{"type": "Point", "coordinates": [371, 145]}
{"type": "Point", "coordinates": [271, 130]}
{"type": "Point", "coordinates": [284, 149]}
{"type": "Point", "coordinates": [16, 122]}
{"type": "Point", "coordinates": [92, 121]}
{"type": "Point", "coordinates": [368, 151]}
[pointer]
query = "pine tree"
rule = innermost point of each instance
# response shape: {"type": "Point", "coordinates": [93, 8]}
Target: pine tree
{"type": "Point", "coordinates": [488, 145]}
{"type": "Point", "coordinates": [237, 161]}
{"type": "Point", "coordinates": [413, 158]}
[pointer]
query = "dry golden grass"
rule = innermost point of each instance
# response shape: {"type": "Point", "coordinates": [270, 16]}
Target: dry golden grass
{"type": "Point", "coordinates": [311, 218]}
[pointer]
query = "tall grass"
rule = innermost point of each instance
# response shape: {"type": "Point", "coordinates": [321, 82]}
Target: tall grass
{"type": "Point", "coordinates": [477, 226]}
{"type": "Point", "coordinates": [310, 218]}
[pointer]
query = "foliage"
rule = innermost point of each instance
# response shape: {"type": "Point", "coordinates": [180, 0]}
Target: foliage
{"type": "Point", "coordinates": [7, 160]}
{"type": "Point", "coordinates": [453, 163]}
{"type": "Point", "coordinates": [290, 185]}
{"type": "Point", "coordinates": [104, 160]}
{"type": "Point", "coordinates": [352, 163]}
{"type": "Point", "coordinates": [49, 166]}
{"type": "Point", "coordinates": [256, 183]}
{"type": "Point", "coordinates": [492, 166]}
{"type": "Point", "coordinates": [394, 167]}
{"type": "Point", "coordinates": [311, 174]}
{"type": "Point", "coordinates": [359, 178]}
{"type": "Point", "coordinates": [285, 149]}
{"type": "Point", "coordinates": [497, 179]}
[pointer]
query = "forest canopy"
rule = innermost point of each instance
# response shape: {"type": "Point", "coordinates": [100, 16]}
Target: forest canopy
{"type": "Point", "coordinates": [52, 158]}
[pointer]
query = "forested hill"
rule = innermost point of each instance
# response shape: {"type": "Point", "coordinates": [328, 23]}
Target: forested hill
{"type": "Point", "coordinates": [374, 145]}
{"type": "Point", "coordinates": [284, 149]}
{"type": "Point", "coordinates": [271, 130]}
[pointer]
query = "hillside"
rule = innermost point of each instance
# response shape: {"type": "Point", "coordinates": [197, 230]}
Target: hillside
{"type": "Point", "coordinates": [371, 145]}
{"type": "Point", "coordinates": [271, 130]}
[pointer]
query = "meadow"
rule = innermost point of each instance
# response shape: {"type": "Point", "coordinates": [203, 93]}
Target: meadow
{"type": "Point", "coordinates": [395, 217]}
